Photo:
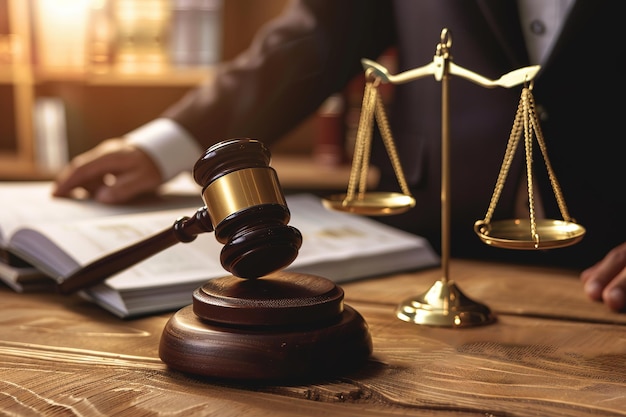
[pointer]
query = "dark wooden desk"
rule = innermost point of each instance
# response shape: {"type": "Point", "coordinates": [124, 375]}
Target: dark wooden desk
{"type": "Point", "coordinates": [552, 352]}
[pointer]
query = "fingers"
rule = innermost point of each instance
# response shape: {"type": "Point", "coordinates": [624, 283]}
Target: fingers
{"type": "Point", "coordinates": [88, 171]}
{"type": "Point", "coordinates": [124, 185]}
{"type": "Point", "coordinates": [112, 172]}
{"type": "Point", "coordinates": [606, 280]}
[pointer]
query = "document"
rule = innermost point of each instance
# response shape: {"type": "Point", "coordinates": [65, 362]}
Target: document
{"type": "Point", "coordinates": [57, 237]}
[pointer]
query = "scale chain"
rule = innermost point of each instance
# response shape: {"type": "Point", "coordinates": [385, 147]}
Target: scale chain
{"type": "Point", "coordinates": [542, 146]}
{"type": "Point", "coordinates": [385, 130]}
{"type": "Point", "coordinates": [363, 142]}
{"type": "Point", "coordinates": [372, 109]}
{"type": "Point", "coordinates": [526, 121]}
{"type": "Point", "coordinates": [514, 136]}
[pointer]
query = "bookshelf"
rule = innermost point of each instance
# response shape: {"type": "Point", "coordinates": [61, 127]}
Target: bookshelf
{"type": "Point", "coordinates": [17, 154]}
{"type": "Point", "coordinates": [109, 64]}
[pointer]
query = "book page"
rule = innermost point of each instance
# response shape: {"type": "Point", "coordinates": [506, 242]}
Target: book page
{"type": "Point", "coordinates": [32, 202]}
{"type": "Point", "coordinates": [87, 240]}
{"type": "Point", "coordinates": [343, 246]}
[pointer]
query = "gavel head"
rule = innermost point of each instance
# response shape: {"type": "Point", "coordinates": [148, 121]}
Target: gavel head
{"type": "Point", "coordinates": [247, 208]}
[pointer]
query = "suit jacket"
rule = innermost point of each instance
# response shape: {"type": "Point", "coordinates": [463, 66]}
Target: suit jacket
{"type": "Point", "coordinates": [315, 48]}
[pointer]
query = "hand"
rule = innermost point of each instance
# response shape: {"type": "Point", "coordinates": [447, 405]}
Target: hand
{"type": "Point", "coordinates": [112, 172]}
{"type": "Point", "coordinates": [606, 280]}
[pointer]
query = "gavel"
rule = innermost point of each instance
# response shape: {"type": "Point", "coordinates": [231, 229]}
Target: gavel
{"type": "Point", "coordinates": [244, 207]}
{"type": "Point", "coordinates": [287, 326]}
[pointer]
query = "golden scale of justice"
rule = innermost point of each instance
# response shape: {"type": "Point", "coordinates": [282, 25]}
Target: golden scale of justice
{"type": "Point", "coordinates": [444, 304]}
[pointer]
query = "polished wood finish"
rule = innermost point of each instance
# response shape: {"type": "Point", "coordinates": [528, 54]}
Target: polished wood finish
{"type": "Point", "coordinates": [302, 354]}
{"type": "Point", "coordinates": [256, 237]}
{"type": "Point", "coordinates": [282, 328]}
{"type": "Point", "coordinates": [230, 155]}
{"type": "Point", "coordinates": [279, 299]}
{"type": "Point", "coordinates": [270, 355]}
{"type": "Point", "coordinates": [552, 352]}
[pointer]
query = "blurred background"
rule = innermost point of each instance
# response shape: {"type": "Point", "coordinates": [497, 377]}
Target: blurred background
{"type": "Point", "coordinates": [76, 72]}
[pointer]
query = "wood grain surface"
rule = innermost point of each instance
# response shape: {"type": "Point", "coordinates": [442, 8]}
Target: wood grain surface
{"type": "Point", "coordinates": [551, 352]}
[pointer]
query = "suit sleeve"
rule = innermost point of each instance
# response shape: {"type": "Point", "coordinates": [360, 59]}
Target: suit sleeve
{"type": "Point", "coordinates": [295, 61]}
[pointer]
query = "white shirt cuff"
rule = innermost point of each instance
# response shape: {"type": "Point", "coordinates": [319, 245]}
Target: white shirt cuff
{"type": "Point", "coordinates": [169, 145]}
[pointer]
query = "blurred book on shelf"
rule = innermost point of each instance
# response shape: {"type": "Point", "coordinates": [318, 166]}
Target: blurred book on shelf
{"type": "Point", "coordinates": [100, 36]}
{"type": "Point", "coordinates": [141, 31]}
{"type": "Point", "coordinates": [50, 129]}
{"type": "Point", "coordinates": [329, 142]}
{"type": "Point", "coordinates": [195, 36]}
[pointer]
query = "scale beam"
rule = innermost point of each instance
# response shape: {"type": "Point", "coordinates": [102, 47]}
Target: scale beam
{"type": "Point", "coordinates": [436, 69]}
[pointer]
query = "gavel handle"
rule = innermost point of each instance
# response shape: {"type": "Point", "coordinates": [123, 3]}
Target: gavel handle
{"type": "Point", "coordinates": [183, 230]}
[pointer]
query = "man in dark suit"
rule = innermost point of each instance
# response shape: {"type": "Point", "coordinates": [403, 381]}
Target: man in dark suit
{"type": "Point", "coordinates": [315, 47]}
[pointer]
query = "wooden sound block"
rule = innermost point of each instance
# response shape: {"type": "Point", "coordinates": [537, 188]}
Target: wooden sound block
{"type": "Point", "coordinates": [282, 327]}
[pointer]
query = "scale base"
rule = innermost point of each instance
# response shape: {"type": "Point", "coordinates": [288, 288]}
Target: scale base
{"type": "Point", "coordinates": [444, 305]}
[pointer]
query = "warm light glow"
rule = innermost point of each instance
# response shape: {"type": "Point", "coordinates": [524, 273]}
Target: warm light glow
{"type": "Point", "coordinates": [63, 7]}
{"type": "Point", "coordinates": [61, 32]}
{"type": "Point", "coordinates": [98, 4]}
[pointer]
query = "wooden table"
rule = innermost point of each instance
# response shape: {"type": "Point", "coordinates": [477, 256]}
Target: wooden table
{"type": "Point", "coordinates": [552, 352]}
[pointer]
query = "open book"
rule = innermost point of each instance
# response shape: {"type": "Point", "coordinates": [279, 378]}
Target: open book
{"type": "Point", "coordinates": [67, 234]}
{"type": "Point", "coordinates": [31, 202]}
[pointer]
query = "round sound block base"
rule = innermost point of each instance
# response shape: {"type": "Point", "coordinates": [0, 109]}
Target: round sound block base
{"type": "Point", "coordinates": [192, 345]}
{"type": "Point", "coordinates": [286, 345]}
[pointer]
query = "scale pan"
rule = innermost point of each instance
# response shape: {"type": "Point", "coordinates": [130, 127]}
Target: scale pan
{"type": "Point", "coordinates": [515, 233]}
{"type": "Point", "coordinates": [371, 204]}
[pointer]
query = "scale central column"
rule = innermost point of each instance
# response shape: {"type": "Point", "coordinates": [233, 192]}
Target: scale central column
{"type": "Point", "coordinates": [445, 173]}
{"type": "Point", "coordinates": [444, 304]}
